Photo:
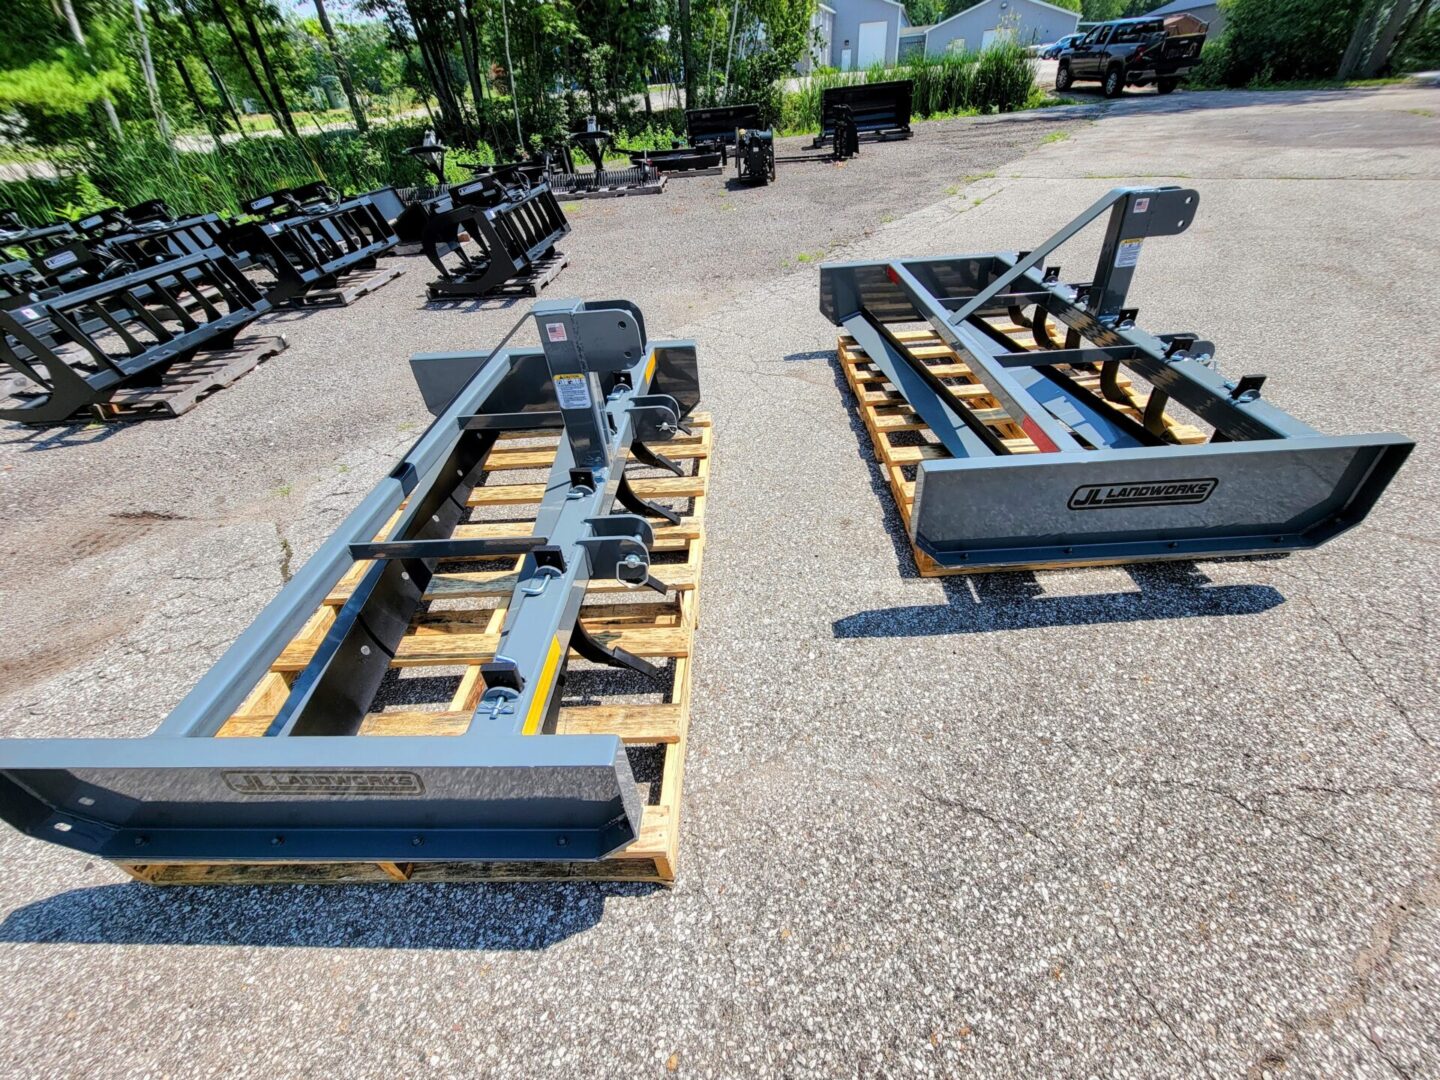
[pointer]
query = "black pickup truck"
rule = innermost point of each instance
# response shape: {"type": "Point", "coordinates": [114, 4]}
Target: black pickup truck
{"type": "Point", "coordinates": [1132, 52]}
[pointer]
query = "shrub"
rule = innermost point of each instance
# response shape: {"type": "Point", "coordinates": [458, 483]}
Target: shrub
{"type": "Point", "coordinates": [1275, 41]}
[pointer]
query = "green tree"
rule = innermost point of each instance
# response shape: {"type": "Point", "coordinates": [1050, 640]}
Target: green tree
{"type": "Point", "coordinates": [342, 69]}
{"type": "Point", "coordinates": [1269, 41]}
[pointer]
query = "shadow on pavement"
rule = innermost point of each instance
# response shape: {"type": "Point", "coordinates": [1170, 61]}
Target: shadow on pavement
{"type": "Point", "coordinates": [508, 917]}
{"type": "Point", "coordinates": [983, 603]}
{"type": "Point", "coordinates": [59, 436]}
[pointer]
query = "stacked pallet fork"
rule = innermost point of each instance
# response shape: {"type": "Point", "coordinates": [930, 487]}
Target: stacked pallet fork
{"type": "Point", "coordinates": [150, 342]}
{"type": "Point", "coordinates": [319, 247]}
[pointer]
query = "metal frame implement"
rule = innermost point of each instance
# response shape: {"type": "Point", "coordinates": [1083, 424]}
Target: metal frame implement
{"type": "Point", "coordinates": [310, 788]}
{"type": "Point", "coordinates": [1108, 483]}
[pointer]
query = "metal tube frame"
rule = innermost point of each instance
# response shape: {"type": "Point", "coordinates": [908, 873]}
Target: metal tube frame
{"type": "Point", "coordinates": [310, 788]}
{"type": "Point", "coordinates": [1267, 482]}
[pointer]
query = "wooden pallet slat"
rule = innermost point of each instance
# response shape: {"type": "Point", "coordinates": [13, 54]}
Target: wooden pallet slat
{"type": "Point", "coordinates": [661, 628]}
{"type": "Point", "coordinates": [187, 383]}
{"type": "Point", "coordinates": [886, 415]}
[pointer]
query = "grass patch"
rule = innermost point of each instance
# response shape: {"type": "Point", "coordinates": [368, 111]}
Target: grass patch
{"type": "Point", "coordinates": [1054, 137]}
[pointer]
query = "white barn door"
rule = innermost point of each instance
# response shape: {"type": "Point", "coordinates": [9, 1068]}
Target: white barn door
{"type": "Point", "coordinates": [871, 47]}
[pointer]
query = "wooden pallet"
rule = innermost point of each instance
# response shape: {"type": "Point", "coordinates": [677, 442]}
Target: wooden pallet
{"type": "Point", "coordinates": [902, 440]}
{"type": "Point", "coordinates": [186, 384]}
{"type": "Point", "coordinates": [466, 637]}
{"type": "Point", "coordinates": [349, 287]}
{"type": "Point", "coordinates": [542, 271]}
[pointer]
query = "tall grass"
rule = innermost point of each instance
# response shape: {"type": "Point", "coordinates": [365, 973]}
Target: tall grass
{"type": "Point", "coordinates": [1000, 79]}
{"type": "Point", "coordinates": [220, 179]}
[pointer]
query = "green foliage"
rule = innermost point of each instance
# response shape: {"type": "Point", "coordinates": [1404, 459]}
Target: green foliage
{"type": "Point", "coordinates": [1000, 79]}
{"type": "Point", "coordinates": [1068, 5]}
{"type": "Point", "coordinates": [199, 181]}
{"type": "Point", "coordinates": [40, 200]}
{"type": "Point", "coordinates": [1421, 51]}
{"type": "Point", "coordinates": [1273, 41]}
{"type": "Point", "coordinates": [1105, 10]}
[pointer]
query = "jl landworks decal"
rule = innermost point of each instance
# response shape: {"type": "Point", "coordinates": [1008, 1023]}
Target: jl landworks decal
{"type": "Point", "coordinates": [268, 783]}
{"type": "Point", "coordinates": [1142, 493]}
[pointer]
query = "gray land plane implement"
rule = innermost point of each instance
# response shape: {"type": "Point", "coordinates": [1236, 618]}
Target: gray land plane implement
{"type": "Point", "coordinates": [1109, 482]}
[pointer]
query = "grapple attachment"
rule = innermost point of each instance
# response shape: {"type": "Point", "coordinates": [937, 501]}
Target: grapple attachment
{"type": "Point", "coordinates": [491, 234]}
{"type": "Point", "coordinates": [1076, 465]}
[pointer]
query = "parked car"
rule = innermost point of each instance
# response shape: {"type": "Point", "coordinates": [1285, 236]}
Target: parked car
{"type": "Point", "coordinates": [1131, 52]}
{"type": "Point", "coordinates": [1055, 48]}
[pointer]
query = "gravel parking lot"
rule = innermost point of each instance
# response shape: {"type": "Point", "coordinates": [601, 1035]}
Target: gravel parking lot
{"type": "Point", "coordinates": [1111, 822]}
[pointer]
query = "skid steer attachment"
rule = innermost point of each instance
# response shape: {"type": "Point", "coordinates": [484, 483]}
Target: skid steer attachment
{"type": "Point", "coordinates": [18, 238]}
{"type": "Point", "coordinates": [877, 110]}
{"type": "Point", "coordinates": [1074, 466]}
{"type": "Point", "coordinates": [557, 168]}
{"type": "Point", "coordinates": [155, 242]}
{"type": "Point", "coordinates": [755, 156]}
{"type": "Point", "coordinates": [77, 350]}
{"type": "Point", "coordinates": [508, 788]}
{"type": "Point", "coordinates": [513, 228]}
{"type": "Point", "coordinates": [309, 237]}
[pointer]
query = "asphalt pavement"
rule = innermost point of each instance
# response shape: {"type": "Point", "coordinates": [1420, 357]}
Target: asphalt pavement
{"type": "Point", "coordinates": [1158, 820]}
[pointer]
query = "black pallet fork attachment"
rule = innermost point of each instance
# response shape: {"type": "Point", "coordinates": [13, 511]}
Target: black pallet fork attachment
{"type": "Point", "coordinates": [310, 787]}
{"type": "Point", "coordinates": [513, 231]}
{"type": "Point", "coordinates": [33, 241]}
{"type": "Point", "coordinates": [76, 350]}
{"type": "Point", "coordinates": [307, 242]}
{"type": "Point", "coordinates": [157, 241]}
{"type": "Point", "coordinates": [1104, 486]}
